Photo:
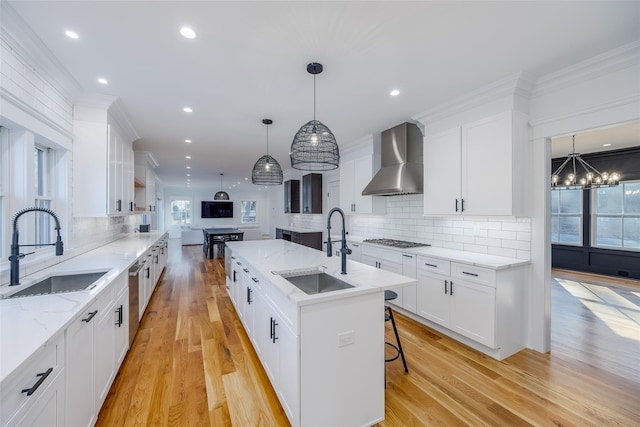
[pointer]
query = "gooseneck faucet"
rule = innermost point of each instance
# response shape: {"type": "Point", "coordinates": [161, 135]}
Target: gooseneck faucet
{"type": "Point", "coordinates": [16, 256]}
{"type": "Point", "coordinates": [344, 250]}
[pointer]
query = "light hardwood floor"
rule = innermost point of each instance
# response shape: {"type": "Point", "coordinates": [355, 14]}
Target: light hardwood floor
{"type": "Point", "coordinates": [192, 364]}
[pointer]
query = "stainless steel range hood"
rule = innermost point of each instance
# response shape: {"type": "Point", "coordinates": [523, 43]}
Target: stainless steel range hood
{"type": "Point", "coordinates": [401, 170]}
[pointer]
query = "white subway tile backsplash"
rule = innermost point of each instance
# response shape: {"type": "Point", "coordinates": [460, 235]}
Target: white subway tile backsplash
{"type": "Point", "coordinates": [504, 236]}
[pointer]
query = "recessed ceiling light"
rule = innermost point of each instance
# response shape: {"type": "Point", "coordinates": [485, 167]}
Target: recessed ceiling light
{"type": "Point", "coordinates": [188, 174]}
{"type": "Point", "coordinates": [246, 179]}
{"type": "Point", "coordinates": [103, 81]}
{"type": "Point", "coordinates": [187, 110]}
{"type": "Point", "coordinates": [72, 34]}
{"type": "Point", "coordinates": [188, 33]}
{"type": "Point", "coordinates": [187, 157]}
{"type": "Point", "coordinates": [606, 145]}
{"type": "Point", "coordinates": [394, 92]}
{"type": "Point", "coordinates": [188, 167]}
{"type": "Point", "coordinates": [188, 141]}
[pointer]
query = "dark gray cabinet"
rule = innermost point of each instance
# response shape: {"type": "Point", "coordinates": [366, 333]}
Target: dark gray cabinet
{"type": "Point", "coordinates": [312, 239]}
{"type": "Point", "coordinates": [292, 196]}
{"type": "Point", "coordinates": [312, 193]}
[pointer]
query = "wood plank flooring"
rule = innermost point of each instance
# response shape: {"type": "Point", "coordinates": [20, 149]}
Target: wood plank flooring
{"type": "Point", "coordinates": [192, 364]}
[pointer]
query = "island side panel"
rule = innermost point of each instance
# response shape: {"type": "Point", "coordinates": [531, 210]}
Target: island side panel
{"type": "Point", "coordinates": [342, 361]}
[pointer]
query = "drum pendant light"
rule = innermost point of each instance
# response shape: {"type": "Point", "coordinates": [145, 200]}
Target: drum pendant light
{"type": "Point", "coordinates": [314, 148]}
{"type": "Point", "coordinates": [221, 195]}
{"type": "Point", "coordinates": [267, 170]}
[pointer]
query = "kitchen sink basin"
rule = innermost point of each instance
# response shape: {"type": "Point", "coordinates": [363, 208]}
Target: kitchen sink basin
{"type": "Point", "coordinates": [60, 284]}
{"type": "Point", "coordinates": [315, 282]}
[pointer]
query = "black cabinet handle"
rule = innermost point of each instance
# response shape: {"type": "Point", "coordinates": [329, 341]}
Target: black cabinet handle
{"type": "Point", "coordinates": [451, 290]}
{"type": "Point", "coordinates": [91, 315]}
{"type": "Point", "coordinates": [249, 295]}
{"type": "Point", "coordinates": [470, 274]}
{"type": "Point", "coordinates": [355, 246]}
{"type": "Point", "coordinates": [255, 280]}
{"type": "Point", "coordinates": [235, 279]}
{"type": "Point", "coordinates": [271, 328]}
{"type": "Point", "coordinates": [462, 205]}
{"type": "Point", "coordinates": [445, 286]}
{"type": "Point", "coordinates": [407, 256]}
{"type": "Point", "coordinates": [456, 205]}
{"type": "Point", "coordinates": [118, 205]}
{"type": "Point", "coordinates": [130, 206]}
{"type": "Point", "coordinates": [274, 337]}
{"type": "Point", "coordinates": [245, 270]}
{"type": "Point", "coordinates": [148, 275]}
{"type": "Point", "coordinates": [43, 376]}
{"type": "Point", "coordinates": [430, 265]}
{"type": "Point", "coordinates": [119, 321]}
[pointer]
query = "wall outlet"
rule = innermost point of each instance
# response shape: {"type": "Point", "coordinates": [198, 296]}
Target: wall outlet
{"type": "Point", "coordinates": [346, 338]}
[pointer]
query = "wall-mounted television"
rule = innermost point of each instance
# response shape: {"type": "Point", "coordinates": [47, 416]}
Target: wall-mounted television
{"type": "Point", "coordinates": [211, 209]}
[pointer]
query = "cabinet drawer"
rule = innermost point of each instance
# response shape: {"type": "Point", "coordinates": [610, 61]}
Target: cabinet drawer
{"type": "Point", "coordinates": [382, 254]}
{"type": "Point", "coordinates": [283, 305]}
{"type": "Point", "coordinates": [434, 265]}
{"type": "Point", "coordinates": [104, 301]}
{"type": "Point", "coordinates": [26, 377]}
{"type": "Point", "coordinates": [486, 276]}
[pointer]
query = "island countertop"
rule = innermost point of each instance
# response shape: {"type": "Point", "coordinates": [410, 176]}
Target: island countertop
{"type": "Point", "coordinates": [271, 257]}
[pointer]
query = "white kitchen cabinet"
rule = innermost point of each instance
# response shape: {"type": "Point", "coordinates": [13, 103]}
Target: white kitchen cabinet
{"type": "Point", "coordinates": [407, 295]}
{"type": "Point", "coordinates": [481, 304]}
{"type": "Point", "coordinates": [145, 190]}
{"type": "Point", "coordinates": [121, 321]}
{"type": "Point", "coordinates": [385, 259]}
{"type": "Point", "coordinates": [102, 158]}
{"type": "Point", "coordinates": [33, 395]}
{"type": "Point", "coordinates": [356, 251]}
{"type": "Point", "coordinates": [478, 168]}
{"type": "Point", "coordinates": [354, 176]}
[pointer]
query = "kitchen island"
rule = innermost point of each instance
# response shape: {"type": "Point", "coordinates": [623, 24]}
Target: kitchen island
{"type": "Point", "coordinates": [323, 352]}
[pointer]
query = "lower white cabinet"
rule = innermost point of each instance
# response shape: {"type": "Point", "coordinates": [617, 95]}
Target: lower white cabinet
{"type": "Point", "coordinates": [34, 394]}
{"type": "Point", "coordinates": [95, 344]}
{"type": "Point", "coordinates": [478, 303]}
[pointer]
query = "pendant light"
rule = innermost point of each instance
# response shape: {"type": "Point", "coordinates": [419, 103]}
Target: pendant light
{"type": "Point", "coordinates": [221, 195]}
{"type": "Point", "coordinates": [592, 178]}
{"type": "Point", "coordinates": [267, 170]}
{"type": "Point", "coordinates": [314, 147]}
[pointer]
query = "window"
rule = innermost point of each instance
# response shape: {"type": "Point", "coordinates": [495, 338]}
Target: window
{"type": "Point", "coordinates": [4, 176]}
{"type": "Point", "coordinates": [180, 212]}
{"type": "Point", "coordinates": [43, 165]}
{"type": "Point", "coordinates": [616, 216]}
{"type": "Point", "coordinates": [248, 211]}
{"type": "Point", "coordinates": [566, 216]}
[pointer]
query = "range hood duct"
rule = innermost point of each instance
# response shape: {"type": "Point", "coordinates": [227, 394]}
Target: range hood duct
{"type": "Point", "coordinates": [401, 170]}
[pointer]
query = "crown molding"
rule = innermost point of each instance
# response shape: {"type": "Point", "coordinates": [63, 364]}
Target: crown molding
{"type": "Point", "coordinates": [145, 158]}
{"type": "Point", "coordinates": [20, 37]}
{"type": "Point", "coordinates": [358, 144]}
{"type": "Point", "coordinates": [609, 62]}
{"type": "Point", "coordinates": [519, 84]}
{"type": "Point", "coordinates": [119, 115]}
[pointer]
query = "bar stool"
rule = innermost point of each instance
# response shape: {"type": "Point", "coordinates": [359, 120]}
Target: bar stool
{"type": "Point", "coordinates": [388, 315]}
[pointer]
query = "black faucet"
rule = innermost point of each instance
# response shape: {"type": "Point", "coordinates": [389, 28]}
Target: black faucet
{"type": "Point", "coordinates": [16, 256]}
{"type": "Point", "coordinates": [344, 250]}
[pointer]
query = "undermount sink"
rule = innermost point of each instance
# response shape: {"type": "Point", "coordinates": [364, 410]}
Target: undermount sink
{"type": "Point", "coordinates": [314, 282]}
{"type": "Point", "coordinates": [59, 284]}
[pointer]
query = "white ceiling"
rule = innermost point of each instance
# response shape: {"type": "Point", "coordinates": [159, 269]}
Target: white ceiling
{"type": "Point", "coordinates": [249, 60]}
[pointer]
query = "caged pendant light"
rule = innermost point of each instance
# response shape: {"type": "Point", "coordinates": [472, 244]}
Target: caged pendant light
{"type": "Point", "coordinates": [221, 195]}
{"type": "Point", "coordinates": [267, 170]}
{"type": "Point", "coordinates": [314, 147]}
{"type": "Point", "coordinates": [592, 177]}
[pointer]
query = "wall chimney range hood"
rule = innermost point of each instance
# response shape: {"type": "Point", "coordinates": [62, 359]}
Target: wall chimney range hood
{"type": "Point", "coordinates": [401, 170]}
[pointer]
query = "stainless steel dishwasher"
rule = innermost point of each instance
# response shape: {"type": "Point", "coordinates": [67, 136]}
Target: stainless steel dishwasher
{"type": "Point", "coordinates": [134, 311]}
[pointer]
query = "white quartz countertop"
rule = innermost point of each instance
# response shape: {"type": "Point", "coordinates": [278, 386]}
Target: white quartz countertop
{"type": "Point", "coordinates": [28, 323]}
{"type": "Point", "coordinates": [472, 258]}
{"type": "Point", "coordinates": [278, 256]}
{"type": "Point", "coordinates": [300, 229]}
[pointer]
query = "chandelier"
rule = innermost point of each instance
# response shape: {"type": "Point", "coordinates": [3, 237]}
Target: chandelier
{"type": "Point", "coordinates": [314, 147]}
{"type": "Point", "coordinates": [591, 178]}
{"type": "Point", "coordinates": [221, 195]}
{"type": "Point", "coordinates": [267, 170]}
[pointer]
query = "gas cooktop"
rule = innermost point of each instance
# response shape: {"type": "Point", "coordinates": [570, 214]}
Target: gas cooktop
{"type": "Point", "coordinates": [395, 243]}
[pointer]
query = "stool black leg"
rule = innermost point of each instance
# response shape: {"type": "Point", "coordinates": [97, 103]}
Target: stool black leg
{"type": "Point", "coordinates": [395, 331]}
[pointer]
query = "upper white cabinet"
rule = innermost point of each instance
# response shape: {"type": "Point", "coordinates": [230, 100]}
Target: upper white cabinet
{"type": "Point", "coordinates": [102, 162]}
{"type": "Point", "coordinates": [354, 176]}
{"type": "Point", "coordinates": [478, 168]}
{"type": "Point", "coordinates": [145, 189]}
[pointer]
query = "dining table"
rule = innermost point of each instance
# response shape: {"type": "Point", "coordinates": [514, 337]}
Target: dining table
{"type": "Point", "coordinates": [223, 234]}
